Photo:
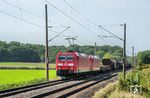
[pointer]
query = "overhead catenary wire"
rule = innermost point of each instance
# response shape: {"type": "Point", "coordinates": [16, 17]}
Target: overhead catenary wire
{"type": "Point", "coordinates": [73, 31]}
{"type": "Point", "coordinates": [25, 20]}
{"type": "Point", "coordinates": [82, 36]}
{"type": "Point", "coordinates": [104, 25]}
{"type": "Point", "coordinates": [110, 32]}
{"type": "Point", "coordinates": [58, 34]}
{"type": "Point", "coordinates": [89, 20]}
{"type": "Point", "coordinates": [29, 12]}
{"type": "Point", "coordinates": [21, 19]}
{"type": "Point", "coordinates": [71, 18]}
{"type": "Point", "coordinates": [21, 16]}
{"type": "Point", "coordinates": [21, 8]}
{"type": "Point", "coordinates": [76, 20]}
{"type": "Point", "coordinates": [79, 13]}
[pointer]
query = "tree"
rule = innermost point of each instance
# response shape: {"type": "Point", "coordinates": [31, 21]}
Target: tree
{"type": "Point", "coordinates": [20, 52]}
{"type": "Point", "coordinates": [107, 56]}
{"type": "Point", "coordinates": [144, 57]}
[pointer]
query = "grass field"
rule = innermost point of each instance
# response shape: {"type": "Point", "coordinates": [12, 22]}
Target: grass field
{"type": "Point", "coordinates": [14, 78]}
{"type": "Point", "coordinates": [24, 64]}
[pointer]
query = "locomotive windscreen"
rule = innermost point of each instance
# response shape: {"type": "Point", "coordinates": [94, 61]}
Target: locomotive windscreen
{"type": "Point", "coordinates": [70, 57]}
{"type": "Point", "coordinates": [62, 58]}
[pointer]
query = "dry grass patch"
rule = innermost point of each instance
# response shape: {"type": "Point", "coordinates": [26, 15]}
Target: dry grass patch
{"type": "Point", "coordinates": [105, 92]}
{"type": "Point", "coordinates": [124, 94]}
{"type": "Point", "coordinates": [111, 91]}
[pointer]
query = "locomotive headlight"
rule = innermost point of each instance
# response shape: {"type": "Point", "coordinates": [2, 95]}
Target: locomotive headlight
{"type": "Point", "coordinates": [71, 68]}
{"type": "Point", "coordinates": [60, 64]}
{"type": "Point", "coordinates": [70, 64]}
{"type": "Point", "coordinates": [59, 67]}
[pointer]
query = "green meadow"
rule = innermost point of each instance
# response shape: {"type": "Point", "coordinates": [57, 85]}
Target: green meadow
{"type": "Point", "coordinates": [12, 78]}
{"type": "Point", "coordinates": [24, 64]}
{"type": "Point", "coordinates": [15, 78]}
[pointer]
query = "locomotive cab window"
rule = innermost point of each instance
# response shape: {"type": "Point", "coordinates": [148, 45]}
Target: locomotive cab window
{"type": "Point", "coordinates": [70, 58]}
{"type": "Point", "coordinates": [62, 58]}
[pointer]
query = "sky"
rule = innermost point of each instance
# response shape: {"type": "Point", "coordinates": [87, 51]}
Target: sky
{"type": "Point", "coordinates": [87, 13]}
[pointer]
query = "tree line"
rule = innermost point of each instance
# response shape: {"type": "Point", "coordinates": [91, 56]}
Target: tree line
{"type": "Point", "coordinates": [20, 52]}
{"type": "Point", "coordinates": [143, 57]}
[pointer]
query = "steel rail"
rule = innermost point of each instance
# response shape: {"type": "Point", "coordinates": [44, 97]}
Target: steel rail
{"type": "Point", "coordinates": [84, 87]}
{"type": "Point", "coordinates": [68, 87]}
{"type": "Point", "coordinates": [15, 91]}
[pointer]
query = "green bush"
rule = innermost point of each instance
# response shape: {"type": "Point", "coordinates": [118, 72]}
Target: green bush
{"type": "Point", "coordinates": [131, 78]}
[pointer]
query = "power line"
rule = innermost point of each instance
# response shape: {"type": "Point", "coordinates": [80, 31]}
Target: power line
{"type": "Point", "coordinates": [21, 9]}
{"type": "Point", "coordinates": [104, 25]}
{"type": "Point", "coordinates": [85, 18]}
{"type": "Point", "coordinates": [70, 18]}
{"type": "Point", "coordinates": [91, 20]}
{"type": "Point", "coordinates": [31, 13]}
{"type": "Point", "coordinates": [110, 32]}
{"type": "Point", "coordinates": [25, 20]}
{"type": "Point", "coordinates": [79, 13]}
{"type": "Point", "coordinates": [105, 36]}
{"type": "Point", "coordinates": [74, 19]}
{"type": "Point", "coordinates": [58, 34]}
{"type": "Point", "coordinates": [82, 36]}
{"type": "Point", "coordinates": [21, 19]}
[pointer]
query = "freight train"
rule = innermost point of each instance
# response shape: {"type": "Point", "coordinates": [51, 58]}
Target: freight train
{"type": "Point", "coordinates": [75, 64]}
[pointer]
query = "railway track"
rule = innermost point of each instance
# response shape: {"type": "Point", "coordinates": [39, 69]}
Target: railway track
{"type": "Point", "coordinates": [74, 88]}
{"type": "Point", "coordinates": [68, 94]}
{"type": "Point", "coordinates": [11, 92]}
{"type": "Point", "coordinates": [57, 88]}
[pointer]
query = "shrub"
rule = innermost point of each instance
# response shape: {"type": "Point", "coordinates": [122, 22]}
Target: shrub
{"type": "Point", "coordinates": [132, 78]}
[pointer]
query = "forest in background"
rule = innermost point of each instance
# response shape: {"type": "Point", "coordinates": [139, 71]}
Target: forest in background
{"type": "Point", "coordinates": [20, 52]}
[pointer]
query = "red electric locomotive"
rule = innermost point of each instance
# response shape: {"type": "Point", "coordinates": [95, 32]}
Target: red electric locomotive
{"type": "Point", "coordinates": [73, 63]}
